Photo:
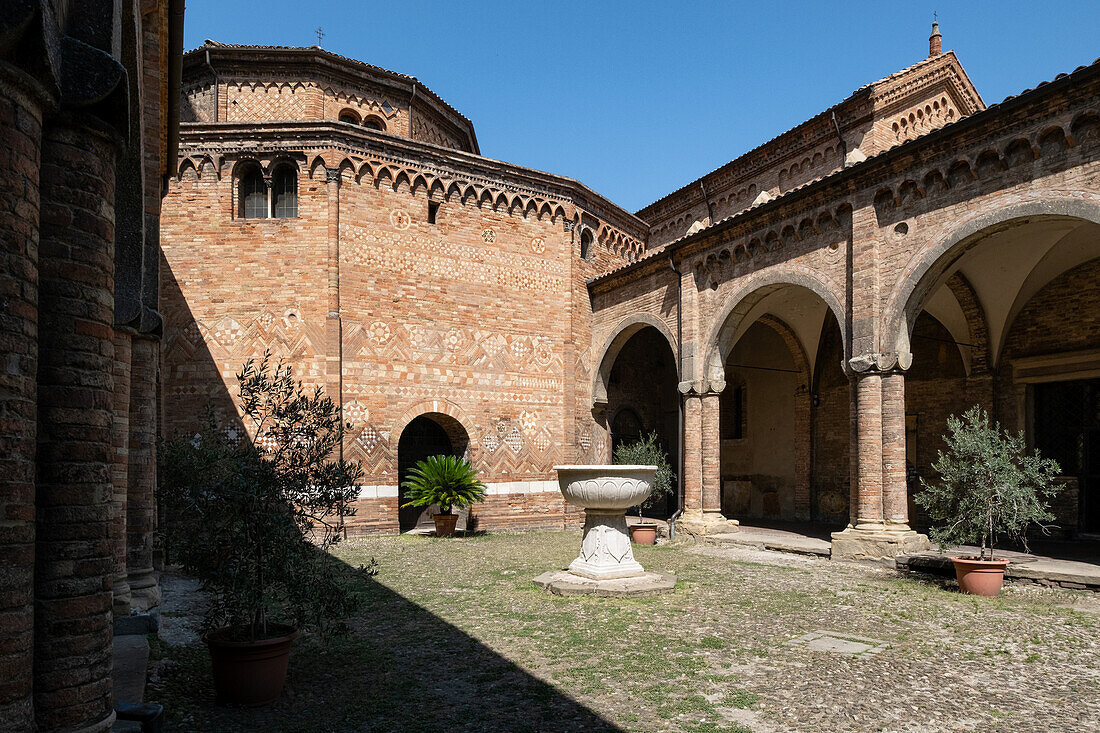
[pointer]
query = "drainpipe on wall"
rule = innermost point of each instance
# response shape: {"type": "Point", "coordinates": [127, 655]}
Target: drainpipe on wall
{"type": "Point", "coordinates": [175, 76]}
{"type": "Point", "coordinates": [680, 413]}
{"type": "Point", "coordinates": [710, 209]}
{"type": "Point", "coordinates": [843, 145]}
{"type": "Point", "coordinates": [217, 83]}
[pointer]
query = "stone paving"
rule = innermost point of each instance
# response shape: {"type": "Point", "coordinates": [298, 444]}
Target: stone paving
{"type": "Point", "coordinates": [455, 636]}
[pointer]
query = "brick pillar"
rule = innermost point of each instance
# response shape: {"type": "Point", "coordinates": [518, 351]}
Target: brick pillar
{"type": "Point", "coordinates": [895, 494]}
{"type": "Point", "coordinates": [72, 664]}
{"type": "Point", "coordinates": [693, 457]}
{"type": "Point", "coordinates": [120, 467]}
{"type": "Point", "coordinates": [869, 451]}
{"type": "Point", "coordinates": [20, 155]}
{"type": "Point", "coordinates": [711, 449]}
{"type": "Point", "coordinates": [142, 473]}
{"type": "Point", "coordinates": [853, 453]}
{"type": "Point", "coordinates": [879, 527]}
{"type": "Point", "coordinates": [803, 443]}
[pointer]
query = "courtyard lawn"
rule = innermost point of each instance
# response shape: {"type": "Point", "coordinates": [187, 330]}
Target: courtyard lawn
{"type": "Point", "coordinates": [454, 636]}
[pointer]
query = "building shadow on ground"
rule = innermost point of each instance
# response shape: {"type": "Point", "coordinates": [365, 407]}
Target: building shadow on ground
{"type": "Point", "coordinates": [396, 667]}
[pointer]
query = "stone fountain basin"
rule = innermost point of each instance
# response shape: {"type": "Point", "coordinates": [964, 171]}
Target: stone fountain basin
{"type": "Point", "coordinates": [605, 488]}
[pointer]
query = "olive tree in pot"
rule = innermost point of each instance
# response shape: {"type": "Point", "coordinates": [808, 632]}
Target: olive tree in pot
{"type": "Point", "coordinates": [447, 481]}
{"type": "Point", "coordinates": [253, 519]}
{"type": "Point", "coordinates": [647, 452]}
{"type": "Point", "coordinates": [989, 485]}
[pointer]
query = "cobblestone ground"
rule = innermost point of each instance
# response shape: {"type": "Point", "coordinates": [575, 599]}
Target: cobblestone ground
{"type": "Point", "coordinates": [453, 636]}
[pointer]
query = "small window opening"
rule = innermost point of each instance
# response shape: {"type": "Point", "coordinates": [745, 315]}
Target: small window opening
{"type": "Point", "coordinates": [253, 195]}
{"type": "Point", "coordinates": [373, 123]}
{"type": "Point", "coordinates": [586, 244]}
{"type": "Point", "coordinates": [433, 211]}
{"type": "Point", "coordinates": [349, 117]}
{"type": "Point", "coordinates": [285, 188]}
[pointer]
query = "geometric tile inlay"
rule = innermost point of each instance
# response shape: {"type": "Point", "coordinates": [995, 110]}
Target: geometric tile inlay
{"type": "Point", "coordinates": [514, 440]}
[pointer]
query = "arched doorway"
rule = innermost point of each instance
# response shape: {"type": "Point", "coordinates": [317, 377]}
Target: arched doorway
{"type": "Point", "coordinates": [769, 348]}
{"type": "Point", "coordinates": [1008, 317]}
{"type": "Point", "coordinates": [430, 434]}
{"type": "Point", "coordinates": [642, 398]}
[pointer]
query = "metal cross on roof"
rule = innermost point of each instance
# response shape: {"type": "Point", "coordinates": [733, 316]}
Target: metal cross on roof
{"type": "Point", "coordinates": [320, 34]}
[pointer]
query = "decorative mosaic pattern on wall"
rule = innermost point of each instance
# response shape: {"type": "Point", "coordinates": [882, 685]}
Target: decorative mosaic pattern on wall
{"type": "Point", "coordinates": [407, 253]}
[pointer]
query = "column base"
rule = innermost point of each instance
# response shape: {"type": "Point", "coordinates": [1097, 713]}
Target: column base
{"type": "Point", "coordinates": [144, 590]}
{"type": "Point", "coordinates": [120, 595]}
{"type": "Point", "coordinates": [703, 524]}
{"type": "Point", "coordinates": [877, 544]}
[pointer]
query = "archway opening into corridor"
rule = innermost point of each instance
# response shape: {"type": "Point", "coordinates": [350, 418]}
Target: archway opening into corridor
{"type": "Point", "coordinates": [1008, 317]}
{"type": "Point", "coordinates": [642, 398]}
{"type": "Point", "coordinates": [773, 345]}
{"type": "Point", "coordinates": [430, 434]}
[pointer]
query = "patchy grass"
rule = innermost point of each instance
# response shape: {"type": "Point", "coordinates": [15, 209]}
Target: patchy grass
{"type": "Point", "coordinates": [454, 636]}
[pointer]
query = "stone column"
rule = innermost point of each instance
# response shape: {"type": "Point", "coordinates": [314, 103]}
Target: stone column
{"type": "Point", "coordinates": [120, 467]}
{"type": "Point", "coordinates": [895, 492]}
{"type": "Point", "coordinates": [74, 563]}
{"type": "Point", "coordinates": [879, 529]}
{"type": "Point", "coordinates": [21, 102]}
{"type": "Point", "coordinates": [141, 478]}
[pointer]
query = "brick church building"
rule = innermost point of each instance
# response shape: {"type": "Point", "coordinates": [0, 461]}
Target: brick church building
{"type": "Point", "coordinates": [796, 325]}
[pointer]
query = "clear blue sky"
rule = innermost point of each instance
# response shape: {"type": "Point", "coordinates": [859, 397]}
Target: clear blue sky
{"type": "Point", "coordinates": [636, 99]}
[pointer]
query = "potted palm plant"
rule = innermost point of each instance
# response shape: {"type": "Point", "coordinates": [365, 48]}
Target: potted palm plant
{"type": "Point", "coordinates": [646, 451]}
{"type": "Point", "coordinates": [447, 481]}
{"type": "Point", "coordinates": [989, 485]}
{"type": "Point", "coordinates": [253, 520]}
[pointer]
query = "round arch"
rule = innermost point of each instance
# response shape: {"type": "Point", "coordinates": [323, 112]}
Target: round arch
{"type": "Point", "coordinates": [428, 407]}
{"type": "Point", "coordinates": [615, 343]}
{"type": "Point", "coordinates": [927, 269]}
{"type": "Point", "coordinates": [720, 340]}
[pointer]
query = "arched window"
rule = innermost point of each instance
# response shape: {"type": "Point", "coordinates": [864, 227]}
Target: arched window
{"type": "Point", "coordinates": [586, 244]}
{"type": "Point", "coordinates": [284, 185]}
{"type": "Point", "coordinates": [349, 117]}
{"type": "Point", "coordinates": [373, 123]}
{"type": "Point", "coordinates": [252, 194]}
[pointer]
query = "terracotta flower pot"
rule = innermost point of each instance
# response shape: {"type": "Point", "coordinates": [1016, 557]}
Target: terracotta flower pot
{"type": "Point", "coordinates": [644, 533]}
{"type": "Point", "coordinates": [249, 672]}
{"type": "Point", "coordinates": [980, 577]}
{"type": "Point", "coordinates": [445, 524]}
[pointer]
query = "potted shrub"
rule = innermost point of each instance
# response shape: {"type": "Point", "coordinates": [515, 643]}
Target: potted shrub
{"type": "Point", "coordinates": [448, 481]}
{"type": "Point", "coordinates": [253, 520]}
{"type": "Point", "coordinates": [990, 485]}
{"type": "Point", "coordinates": [647, 452]}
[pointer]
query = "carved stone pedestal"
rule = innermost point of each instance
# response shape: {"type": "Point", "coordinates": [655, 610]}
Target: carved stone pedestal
{"type": "Point", "coordinates": [605, 547]}
{"type": "Point", "coordinates": [606, 565]}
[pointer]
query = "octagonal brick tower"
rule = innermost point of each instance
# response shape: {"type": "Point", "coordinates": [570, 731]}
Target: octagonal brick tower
{"type": "Point", "coordinates": [341, 216]}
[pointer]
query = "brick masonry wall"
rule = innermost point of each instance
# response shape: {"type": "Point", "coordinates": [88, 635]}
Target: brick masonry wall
{"type": "Point", "coordinates": [471, 317]}
{"type": "Point", "coordinates": [20, 154]}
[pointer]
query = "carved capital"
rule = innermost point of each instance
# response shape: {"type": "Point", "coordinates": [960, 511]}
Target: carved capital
{"type": "Point", "coordinates": [332, 175]}
{"type": "Point", "coordinates": [880, 363]}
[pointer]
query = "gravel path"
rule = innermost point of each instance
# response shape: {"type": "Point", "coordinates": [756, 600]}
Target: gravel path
{"type": "Point", "coordinates": [453, 636]}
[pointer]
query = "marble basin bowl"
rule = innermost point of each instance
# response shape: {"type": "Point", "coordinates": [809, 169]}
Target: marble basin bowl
{"type": "Point", "coordinates": [605, 488]}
